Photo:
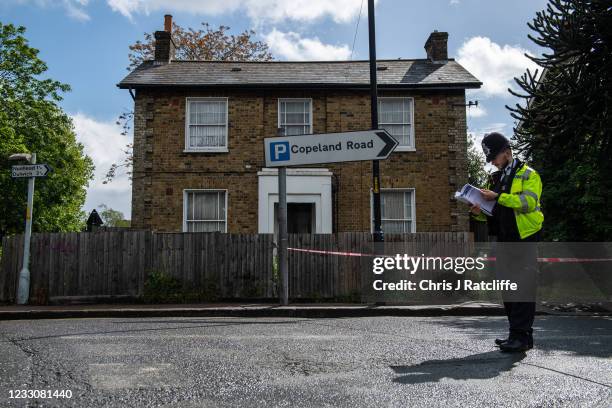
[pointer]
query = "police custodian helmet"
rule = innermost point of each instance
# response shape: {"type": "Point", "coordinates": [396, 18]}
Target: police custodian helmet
{"type": "Point", "coordinates": [493, 144]}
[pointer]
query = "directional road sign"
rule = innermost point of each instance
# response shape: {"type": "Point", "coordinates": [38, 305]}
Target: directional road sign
{"type": "Point", "coordinates": [328, 148]}
{"type": "Point", "coordinates": [30, 170]}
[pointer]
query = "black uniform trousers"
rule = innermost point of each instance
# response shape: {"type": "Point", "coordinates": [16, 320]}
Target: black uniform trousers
{"type": "Point", "coordinates": [517, 261]}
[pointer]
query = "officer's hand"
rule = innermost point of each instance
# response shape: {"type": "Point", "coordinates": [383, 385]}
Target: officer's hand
{"type": "Point", "coordinates": [488, 194]}
{"type": "Point", "coordinates": [475, 209]}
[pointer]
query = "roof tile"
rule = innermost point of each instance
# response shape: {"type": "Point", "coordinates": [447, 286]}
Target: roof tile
{"type": "Point", "coordinates": [399, 73]}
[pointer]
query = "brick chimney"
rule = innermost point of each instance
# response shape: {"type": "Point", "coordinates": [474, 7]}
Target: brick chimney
{"type": "Point", "coordinates": [164, 46]}
{"type": "Point", "coordinates": [436, 46]}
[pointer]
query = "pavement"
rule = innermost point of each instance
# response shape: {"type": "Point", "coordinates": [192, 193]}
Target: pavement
{"type": "Point", "coordinates": [371, 361]}
{"type": "Point", "coordinates": [11, 312]}
{"type": "Point", "coordinates": [306, 310]}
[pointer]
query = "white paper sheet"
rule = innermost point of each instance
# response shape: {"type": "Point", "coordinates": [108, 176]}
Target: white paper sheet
{"type": "Point", "coordinates": [472, 195]}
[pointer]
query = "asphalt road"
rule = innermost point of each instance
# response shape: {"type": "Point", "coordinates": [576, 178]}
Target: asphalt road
{"type": "Point", "coordinates": [344, 362]}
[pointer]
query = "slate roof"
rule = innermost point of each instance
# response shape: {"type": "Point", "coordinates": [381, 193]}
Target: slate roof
{"type": "Point", "coordinates": [399, 73]}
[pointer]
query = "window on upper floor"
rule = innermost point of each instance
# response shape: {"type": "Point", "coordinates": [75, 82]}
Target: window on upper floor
{"type": "Point", "coordinates": [295, 116]}
{"type": "Point", "coordinates": [396, 115]}
{"type": "Point", "coordinates": [397, 212]}
{"type": "Point", "coordinates": [206, 124]}
{"type": "Point", "coordinates": [205, 211]}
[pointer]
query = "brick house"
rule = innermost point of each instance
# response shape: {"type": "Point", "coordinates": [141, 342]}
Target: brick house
{"type": "Point", "coordinates": [198, 142]}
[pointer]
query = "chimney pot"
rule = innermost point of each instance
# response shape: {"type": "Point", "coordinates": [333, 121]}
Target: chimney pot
{"type": "Point", "coordinates": [164, 46]}
{"type": "Point", "coordinates": [168, 23]}
{"type": "Point", "coordinates": [436, 46]}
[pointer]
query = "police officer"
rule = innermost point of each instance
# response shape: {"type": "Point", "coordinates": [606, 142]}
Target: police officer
{"type": "Point", "coordinates": [517, 218]}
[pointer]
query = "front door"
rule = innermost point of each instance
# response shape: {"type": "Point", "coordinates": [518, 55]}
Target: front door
{"type": "Point", "coordinates": [300, 218]}
{"type": "Point", "coordinates": [309, 199]}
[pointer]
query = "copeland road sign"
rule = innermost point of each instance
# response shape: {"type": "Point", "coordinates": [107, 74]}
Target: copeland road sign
{"type": "Point", "coordinates": [328, 148]}
{"type": "Point", "coordinates": [30, 170]}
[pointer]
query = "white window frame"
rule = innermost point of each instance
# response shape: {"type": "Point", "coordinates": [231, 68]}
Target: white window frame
{"type": "Point", "coordinates": [412, 190]}
{"type": "Point", "coordinates": [403, 148]}
{"type": "Point", "coordinates": [218, 149]}
{"type": "Point", "coordinates": [203, 190]}
{"type": "Point", "coordinates": [278, 118]}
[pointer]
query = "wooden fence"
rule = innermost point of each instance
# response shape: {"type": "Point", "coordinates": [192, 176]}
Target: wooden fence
{"type": "Point", "coordinates": [228, 266]}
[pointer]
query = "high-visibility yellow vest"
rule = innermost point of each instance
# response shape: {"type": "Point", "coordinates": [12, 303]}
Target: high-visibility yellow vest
{"type": "Point", "coordinates": [480, 217]}
{"type": "Point", "coordinates": [524, 198]}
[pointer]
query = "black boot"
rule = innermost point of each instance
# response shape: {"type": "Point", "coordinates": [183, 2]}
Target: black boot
{"type": "Point", "coordinates": [514, 345]}
{"type": "Point", "coordinates": [499, 342]}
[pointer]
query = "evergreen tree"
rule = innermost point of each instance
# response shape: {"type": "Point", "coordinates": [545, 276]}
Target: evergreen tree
{"type": "Point", "coordinates": [565, 123]}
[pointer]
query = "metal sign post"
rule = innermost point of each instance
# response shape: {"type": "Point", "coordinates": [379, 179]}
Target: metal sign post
{"type": "Point", "coordinates": [282, 235]}
{"type": "Point", "coordinates": [23, 291]}
{"type": "Point", "coordinates": [378, 233]}
{"type": "Point", "coordinates": [30, 171]}
{"type": "Point", "coordinates": [283, 266]}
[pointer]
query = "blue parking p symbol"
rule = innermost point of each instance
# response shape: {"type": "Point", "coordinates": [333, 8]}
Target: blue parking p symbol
{"type": "Point", "coordinates": [279, 151]}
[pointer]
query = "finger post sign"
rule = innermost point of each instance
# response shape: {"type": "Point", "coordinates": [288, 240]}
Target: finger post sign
{"type": "Point", "coordinates": [30, 170]}
{"type": "Point", "coordinates": [328, 148]}
{"type": "Point", "coordinates": [285, 151]}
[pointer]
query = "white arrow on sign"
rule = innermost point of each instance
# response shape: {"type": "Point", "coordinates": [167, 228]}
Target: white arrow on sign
{"type": "Point", "coordinates": [30, 170]}
{"type": "Point", "coordinates": [328, 148]}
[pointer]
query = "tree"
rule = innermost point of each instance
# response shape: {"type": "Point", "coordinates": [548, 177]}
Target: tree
{"type": "Point", "coordinates": [31, 121]}
{"type": "Point", "coordinates": [477, 175]}
{"type": "Point", "coordinates": [564, 125]}
{"type": "Point", "coordinates": [203, 44]}
{"type": "Point", "coordinates": [112, 218]}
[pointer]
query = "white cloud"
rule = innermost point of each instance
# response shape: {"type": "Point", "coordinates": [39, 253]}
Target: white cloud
{"type": "Point", "coordinates": [480, 132]}
{"type": "Point", "coordinates": [495, 65]}
{"type": "Point", "coordinates": [125, 7]}
{"type": "Point", "coordinates": [454, 2]}
{"type": "Point", "coordinates": [341, 11]}
{"type": "Point", "coordinates": [259, 11]}
{"type": "Point", "coordinates": [292, 46]}
{"type": "Point", "coordinates": [492, 127]}
{"type": "Point", "coordinates": [74, 8]}
{"type": "Point", "coordinates": [476, 111]}
{"type": "Point", "coordinates": [76, 12]}
{"type": "Point", "coordinates": [104, 143]}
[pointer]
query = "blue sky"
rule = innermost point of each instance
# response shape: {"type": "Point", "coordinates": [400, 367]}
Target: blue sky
{"type": "Point", "coordinates": [85, 44]}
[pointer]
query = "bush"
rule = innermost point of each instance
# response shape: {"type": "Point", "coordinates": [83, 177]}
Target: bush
{"type": "Point", "coordinates": [163, 288]}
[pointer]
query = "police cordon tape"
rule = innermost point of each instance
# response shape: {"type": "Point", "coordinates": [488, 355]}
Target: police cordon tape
{"type": "Point", "coordinates": [358, 254]}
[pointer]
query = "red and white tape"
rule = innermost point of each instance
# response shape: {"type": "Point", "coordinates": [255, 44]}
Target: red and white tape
{"type": "Point", "coordinates": [358, 254]}
{"type": "Point", "coordinates": [321, 252]}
